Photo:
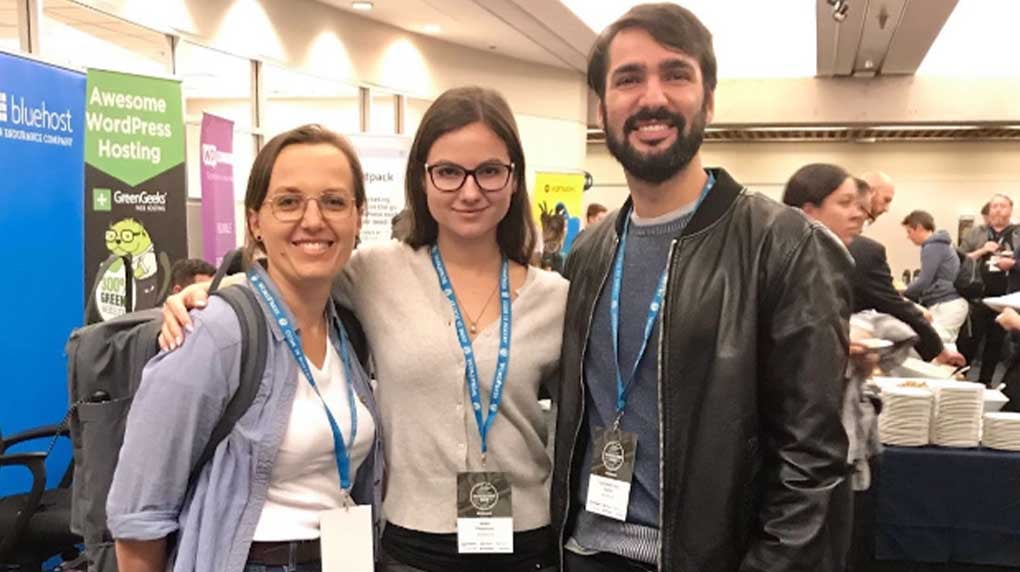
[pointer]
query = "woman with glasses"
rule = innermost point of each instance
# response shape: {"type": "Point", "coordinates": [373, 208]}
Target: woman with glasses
{"type": "Point", "coordinates": [308, 445]}
{"type": "Point", "coordinates": [463, 333]}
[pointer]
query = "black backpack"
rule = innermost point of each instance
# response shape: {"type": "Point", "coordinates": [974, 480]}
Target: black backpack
{"type": "Point", "coordinates": [104, 369]}
{"type": "Point", "coordinates": [969, 283]}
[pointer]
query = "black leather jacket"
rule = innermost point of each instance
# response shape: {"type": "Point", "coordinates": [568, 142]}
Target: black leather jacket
{"type": "Point", "coordinates": [752, 355]}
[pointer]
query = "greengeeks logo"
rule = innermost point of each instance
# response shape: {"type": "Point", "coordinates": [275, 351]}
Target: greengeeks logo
{"type": "Point", "coordinates": [102, 200]}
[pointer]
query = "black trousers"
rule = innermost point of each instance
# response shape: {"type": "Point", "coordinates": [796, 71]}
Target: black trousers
{"type": "Point", "coordinates": [983, 326]}
{"type": "Point", "coordinates": [861, 557]}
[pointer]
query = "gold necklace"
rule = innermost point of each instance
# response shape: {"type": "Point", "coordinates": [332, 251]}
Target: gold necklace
{"type": "Point", "coordinates": [473, 324]}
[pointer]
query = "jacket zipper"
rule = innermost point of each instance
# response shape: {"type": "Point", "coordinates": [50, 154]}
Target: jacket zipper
{"type": "Point", "coordinates": [580, 418]}
{"type": "Point", "coordinates": [658, 359]}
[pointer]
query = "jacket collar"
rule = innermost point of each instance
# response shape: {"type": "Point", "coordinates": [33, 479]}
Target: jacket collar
{"type": "Point", "coordinates": [716, 203]}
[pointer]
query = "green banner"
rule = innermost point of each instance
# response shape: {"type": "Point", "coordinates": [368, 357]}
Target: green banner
{"type": "Point", "coordinates": [135, 190]}
{"type": "Point", "coordinates": [134, 124]}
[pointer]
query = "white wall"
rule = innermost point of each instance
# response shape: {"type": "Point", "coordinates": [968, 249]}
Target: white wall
{"type": "Point", "coordinates": [946, 179]}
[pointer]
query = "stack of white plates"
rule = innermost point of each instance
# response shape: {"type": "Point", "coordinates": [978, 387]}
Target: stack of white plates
{"type": "Point", "coordinates": [957, 418]}
{"type": "Point", "coordinates": [1002, 431]}
{"type": "Point", "coordinates": [906, 416]}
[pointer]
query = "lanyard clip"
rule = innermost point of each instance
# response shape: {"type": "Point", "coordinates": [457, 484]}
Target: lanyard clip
{"type": "Point", "coordinates": [616, 421]}
{"type": "Point", "coordinates": [485, 456]}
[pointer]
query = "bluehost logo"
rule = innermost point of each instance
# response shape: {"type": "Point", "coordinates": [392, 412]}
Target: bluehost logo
{"type": "Point", "coordinates": [18, 111]}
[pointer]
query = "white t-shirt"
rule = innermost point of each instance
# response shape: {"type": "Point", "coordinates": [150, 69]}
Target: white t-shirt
{"type": "Point", "coordinates": [304, 481]}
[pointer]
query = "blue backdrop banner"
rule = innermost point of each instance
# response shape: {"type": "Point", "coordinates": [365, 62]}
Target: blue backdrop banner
{"type": "Point", "coordinates": [42, 109]}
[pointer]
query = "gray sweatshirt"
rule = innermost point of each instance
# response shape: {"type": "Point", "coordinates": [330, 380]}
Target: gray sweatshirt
{"type": "Point", "coordinates": [939, 266]}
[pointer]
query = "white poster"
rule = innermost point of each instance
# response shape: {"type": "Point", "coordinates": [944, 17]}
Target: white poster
{"type": "Point", "coordinates": [384, 161]}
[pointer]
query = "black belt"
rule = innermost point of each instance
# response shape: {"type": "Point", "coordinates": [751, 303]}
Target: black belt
{"type": "Point", "coordinates": [279, 553]}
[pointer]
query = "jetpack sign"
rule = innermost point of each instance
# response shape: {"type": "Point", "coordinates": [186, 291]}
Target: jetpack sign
{"type": "Point", "coordinates": [135, 189]}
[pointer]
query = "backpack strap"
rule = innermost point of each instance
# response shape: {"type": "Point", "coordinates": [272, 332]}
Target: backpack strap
{"type": "Point", "coordinates": [254, 347]}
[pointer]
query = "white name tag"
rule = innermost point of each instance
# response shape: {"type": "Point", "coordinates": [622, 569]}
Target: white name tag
{"type": "Point", "coordinates": [346, 539]}
{"type": "Point", "coordinates": [608, 497]}
{"type": "Point", "coordinates": [485, 535]}
{"type": "Point", "coordinates": [612, 468]}
{"type": "Point", "coordinates": [485, 523]}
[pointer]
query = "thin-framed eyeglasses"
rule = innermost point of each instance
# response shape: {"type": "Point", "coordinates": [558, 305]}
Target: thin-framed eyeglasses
{"type": "Point", "coordinates": [490, 177]}
{"type": "Point", "coordinates": [290, 207]}
{"type": "Point", "coordinates": [124, 235]}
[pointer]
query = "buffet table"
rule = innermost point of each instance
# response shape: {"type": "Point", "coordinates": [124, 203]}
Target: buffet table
{"type": "Point", "coordinates": [947, 509]}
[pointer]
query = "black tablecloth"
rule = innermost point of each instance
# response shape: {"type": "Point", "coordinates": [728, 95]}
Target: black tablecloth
{"type": "Point", "coordinates": [941, 505]}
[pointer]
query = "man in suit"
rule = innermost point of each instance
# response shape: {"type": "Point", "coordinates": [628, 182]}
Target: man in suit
{"type": "Point", "coordinates": [873, 282]}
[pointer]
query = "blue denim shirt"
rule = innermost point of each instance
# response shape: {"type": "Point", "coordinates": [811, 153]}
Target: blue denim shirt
{"type": "Point", "coordinates": [181, 398]}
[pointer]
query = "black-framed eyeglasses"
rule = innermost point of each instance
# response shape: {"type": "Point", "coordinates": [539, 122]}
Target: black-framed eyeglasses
{"type": "Point", "coordinates": [290, 207]}
{"type": "Point", "coordinates": [123, 235]}
{"type": "Point", "coordinates": [490, 177]}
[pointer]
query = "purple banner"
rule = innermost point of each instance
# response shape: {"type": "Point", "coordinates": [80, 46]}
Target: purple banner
{"type": "Point", "coordinates": [217, 141]}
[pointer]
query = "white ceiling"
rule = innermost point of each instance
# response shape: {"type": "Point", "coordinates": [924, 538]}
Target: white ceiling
{"type": "Point", "coordinates": [753, 39]}
{"type": "Point", "coordinates": [745, 43]}
{"type": "Point", "coordinates": [136, 40]}
{"type": "Point", "coordinates": [8, 19]}
{"type": "Point", "coordinates": [980, 39]}
{"type": "Point", "coordinates": [541, 31]}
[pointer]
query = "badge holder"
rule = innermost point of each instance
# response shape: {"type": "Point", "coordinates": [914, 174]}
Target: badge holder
{"type": "Point", "coordinates": [485, 523]}
{"type": "Point", "coordinates": [612, 470]}
{"type": "Point", "coordinates": [345, 538]}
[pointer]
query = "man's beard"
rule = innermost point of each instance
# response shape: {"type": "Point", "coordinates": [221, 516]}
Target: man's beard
{"type": "Point", "coordinates": [658, 167]}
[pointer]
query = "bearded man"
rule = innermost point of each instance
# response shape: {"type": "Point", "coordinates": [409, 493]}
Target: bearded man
{"type": "Point", "coordinates": [705, 342]}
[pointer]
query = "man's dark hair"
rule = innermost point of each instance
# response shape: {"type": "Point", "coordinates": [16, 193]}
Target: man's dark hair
{"type": "Point", "coordinates": [811, 184]}
{"type": "Point", "coordinates": [986, 209]}
{"type": "Point", "coordinates": [921, 219]}
{"type": "Point", "coordinates": [594, 209]}
{"type": "Point", "coordinates": [183, 272]}
{"type": "Point", "coordinates": [672, 26]}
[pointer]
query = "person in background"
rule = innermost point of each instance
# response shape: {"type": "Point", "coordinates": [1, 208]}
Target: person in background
{"type": "Point", "coordinates": [1009, 319]}
{"type": "Point", "coordinates": [464, 334]}
{"type": "Point", "coordinates": [882, 192]}
{"type": "Point", "coordinates": [994, 250]}
{"type": "Point", "coordinates": [828, 194]}
{"type": "Point", "coordinates": [595, 213]}
{"type": "Point", "coordinates": [309, 443]}
{"type": "Point", "coordinates": [188, 271]}
{"type": "Point", "coordinates": [933, 288]}
{"type": "Point", "coordinates": [400, 225]}
{"type": "Point", "coordinates": [705, 341]}
{"type": "Point", "coordinates": [873, 281]}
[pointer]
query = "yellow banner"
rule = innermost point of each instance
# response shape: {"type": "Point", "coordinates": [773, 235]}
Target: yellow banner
{"type": "Point", "coordinates": [556, 206]}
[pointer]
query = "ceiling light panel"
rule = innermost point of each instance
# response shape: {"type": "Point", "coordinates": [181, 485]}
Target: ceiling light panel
{"type": "Point", "coordinates": [979, 40]}
{"type": "Point", "coordinates": [751, 39]}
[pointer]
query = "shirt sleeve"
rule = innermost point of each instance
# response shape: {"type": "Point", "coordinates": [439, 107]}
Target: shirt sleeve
{"type": "Point", "coordinates": [181, 398]}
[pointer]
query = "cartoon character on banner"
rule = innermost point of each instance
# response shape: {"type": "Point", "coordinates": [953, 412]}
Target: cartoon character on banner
{"type": "Point", "coordinates": [128, 238]}
{"type": "Point", "coordinates": [554, 231]}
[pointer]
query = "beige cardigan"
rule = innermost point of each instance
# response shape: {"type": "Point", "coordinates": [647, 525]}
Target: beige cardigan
{"type": "Point", "coordinates": [428, 425]}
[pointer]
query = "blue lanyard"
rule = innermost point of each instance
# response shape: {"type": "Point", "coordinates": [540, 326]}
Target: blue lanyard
{"type": "Point", "coordinates": [471, 368]}
{"type": "Point", "coordinates": [623, 386]}
{"type": "Point", "coordinates": [340, 451]}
